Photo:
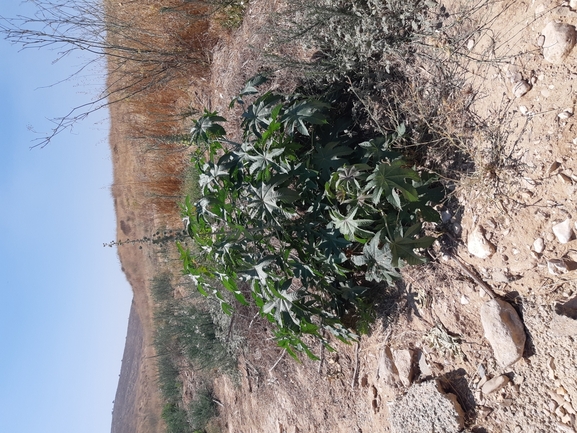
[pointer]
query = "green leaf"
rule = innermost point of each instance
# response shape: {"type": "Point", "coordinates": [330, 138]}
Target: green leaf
{"type": "Point", "coordinates": [250, 88]}
{"type": "Point", "coordinates": [258, 271]}
{"type": "Point", "coordinates": [298, 113]}
{"type": "Point", "coordinates": [258, 115]}
{"type": "Point", "coordinates": [349, 177]}
{"type": "Point", "coordinates": [207, 127]}
{"type": "Point", "coordinates": [404, 244]}
{"type": "Point", "coordinates": [230, 285]}
{"type": "Point", "coordinates": [348, 225]}
{"type": "Point", "coordinates": [227, 308]}
{"type": "Point", "coordinates": [332, 245]}
{"type": "Point", "coordinates": [264, 200]}
{"type": "Point", "coordinates": [378, 149]}
{"type": "Point", "coordinates": [261, 160]}
{"type": "Point", "coordinates": [379, 261]}
{"type": "Point", "coordinates": [387, 178]}
{"type": "Point", "coordinates": [327, 158]}
{"type": "Point", "coordinates": [251, 85]}
{"type": "Point", "coordinates": [281, 305]}
{"type": "Point", "coordinates": [210, 176]}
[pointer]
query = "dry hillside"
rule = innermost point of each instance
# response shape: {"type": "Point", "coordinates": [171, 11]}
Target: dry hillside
{"type": "Point", "coordinates": [517, 183]}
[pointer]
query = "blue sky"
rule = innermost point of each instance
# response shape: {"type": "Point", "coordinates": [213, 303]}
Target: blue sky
{"type": "Point", "coordinates": [64, 301]}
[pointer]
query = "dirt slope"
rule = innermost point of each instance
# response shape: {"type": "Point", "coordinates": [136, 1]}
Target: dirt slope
{"type": "Point", "coordinates": [523, 183]}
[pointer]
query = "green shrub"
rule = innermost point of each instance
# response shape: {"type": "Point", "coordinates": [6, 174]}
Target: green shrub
{"type": "Point", "coordinates": [185, 328]}
{"type": "Point", "coordinates": [176, 419]}
{"type": "Point", "coordinates": [168, 378]}
{"type": "Point", "coordinates": [305, 210]}
{"type": "Point", "coordinates": [202, 409]}
{"type": "Point", "coordinates": [161, 287]}
{"type": "Point", "coordinates": [353, 36]}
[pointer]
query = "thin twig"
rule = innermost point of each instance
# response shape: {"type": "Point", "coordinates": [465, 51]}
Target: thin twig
{"type": "Point", "coordinates": [473, 275]}
{"type": "Point", "coordinates": [356, 372]}
{"type": "Point", "coordinates": [322, 358]}
{"type": "Point", "coordinates": [230, 329]}
{"type": "Point", "coordinates": [488, 290]}
{"type": "Point", "coordinates": [278, 360]}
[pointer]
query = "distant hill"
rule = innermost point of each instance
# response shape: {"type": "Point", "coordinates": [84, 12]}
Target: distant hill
{"type": "Point", "coordinates": [125, 404]}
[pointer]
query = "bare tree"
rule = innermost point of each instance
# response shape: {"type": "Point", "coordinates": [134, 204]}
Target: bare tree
{"type": "Point", "coordinates": [145, 44]}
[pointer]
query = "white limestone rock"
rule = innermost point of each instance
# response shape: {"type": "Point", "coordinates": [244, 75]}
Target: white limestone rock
{"type": "Point", "coordinates": [494, 384]}
{"type": "Point", "coordinates": [559, 41]}
{"type": "Point", "coordinates": [563, 231]}
{"type": "Point", "coordinates": [521, 87]}
{"type": "Point", "coordinates": [539, 245]}
{"type": "Point", "coordinates": [387, 371]}
{"type": "Point", "coordinates": [504, 331]}
{"type": "Point", "coordinates": [478, 245]}
{"type": "Point", "coordinates": [427, 408]}
{"type": "Point", "coordinates": [404, 363]}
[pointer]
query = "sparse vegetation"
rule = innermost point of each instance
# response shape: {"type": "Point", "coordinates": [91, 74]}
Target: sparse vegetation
{"type": "Point", "coordinates": [186, 338]}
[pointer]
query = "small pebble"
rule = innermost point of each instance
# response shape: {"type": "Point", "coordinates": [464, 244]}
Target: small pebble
{"type": "Point", "coordinates": [557, 267]}
{"type": "Point", "coordinates": [521, 88]}
{"type": "Point", "coordinates": [565, 179]}
{"type": "Point", "coordinates": [563, 231]}
{"type": "Point", "coordinates": [554, 166]}
{"type": "Point", "coordinates": [561, 390]}
{"type": "Point", "coordinates": [494, 384]}
{"type": "Point", "coordinates": [445, 216]}
{"type": "Point", "coordinates": [539, 245]}
{"type": "Point", "coordinates": [478, 245]}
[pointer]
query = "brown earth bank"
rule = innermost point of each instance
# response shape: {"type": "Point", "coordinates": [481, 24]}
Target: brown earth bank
{"type": "Point", "coordinates": [523, 184]}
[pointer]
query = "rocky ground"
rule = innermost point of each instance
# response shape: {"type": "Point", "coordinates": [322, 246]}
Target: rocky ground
{"type": "Point", "coordinates": [446, 355]}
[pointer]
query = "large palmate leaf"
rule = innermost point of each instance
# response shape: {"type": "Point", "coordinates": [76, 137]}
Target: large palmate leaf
{"type": "Point", "coordinates": [257, 272]}
{"type": "Point", "coordinates": [349, 226]}
{"type": "Point", "coordinates": [210, 175]}
{"type": "Point", "coordinates": [258, 115]}
{"type": "Point", "coordinates": [250, 88]}
{"type": "Point", "coordinates": [378, 260]}
{"type": "Point", "coordinates": [388, 178]}
{"type": "Point", "coordinates": [207, 127]}
{"type": "Point", "coordinates": [281, 305]}
{"type": "Point", "coordinates": [378, 149]}
{"type": "Point", "coordinates": [404, 244]}
{"type": "Point", "coordinates": [328, 157]}
{"type": "Point", "coordinates": [332, 245]}
{"type": "Point", "coordinates": [349, 176]}
{"type": "Point", "coordinates": [261, 159]}
{"type": "Point", "coordinates": [298, 113]}
{"type": "Point", "coordinates": [265, 200]}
